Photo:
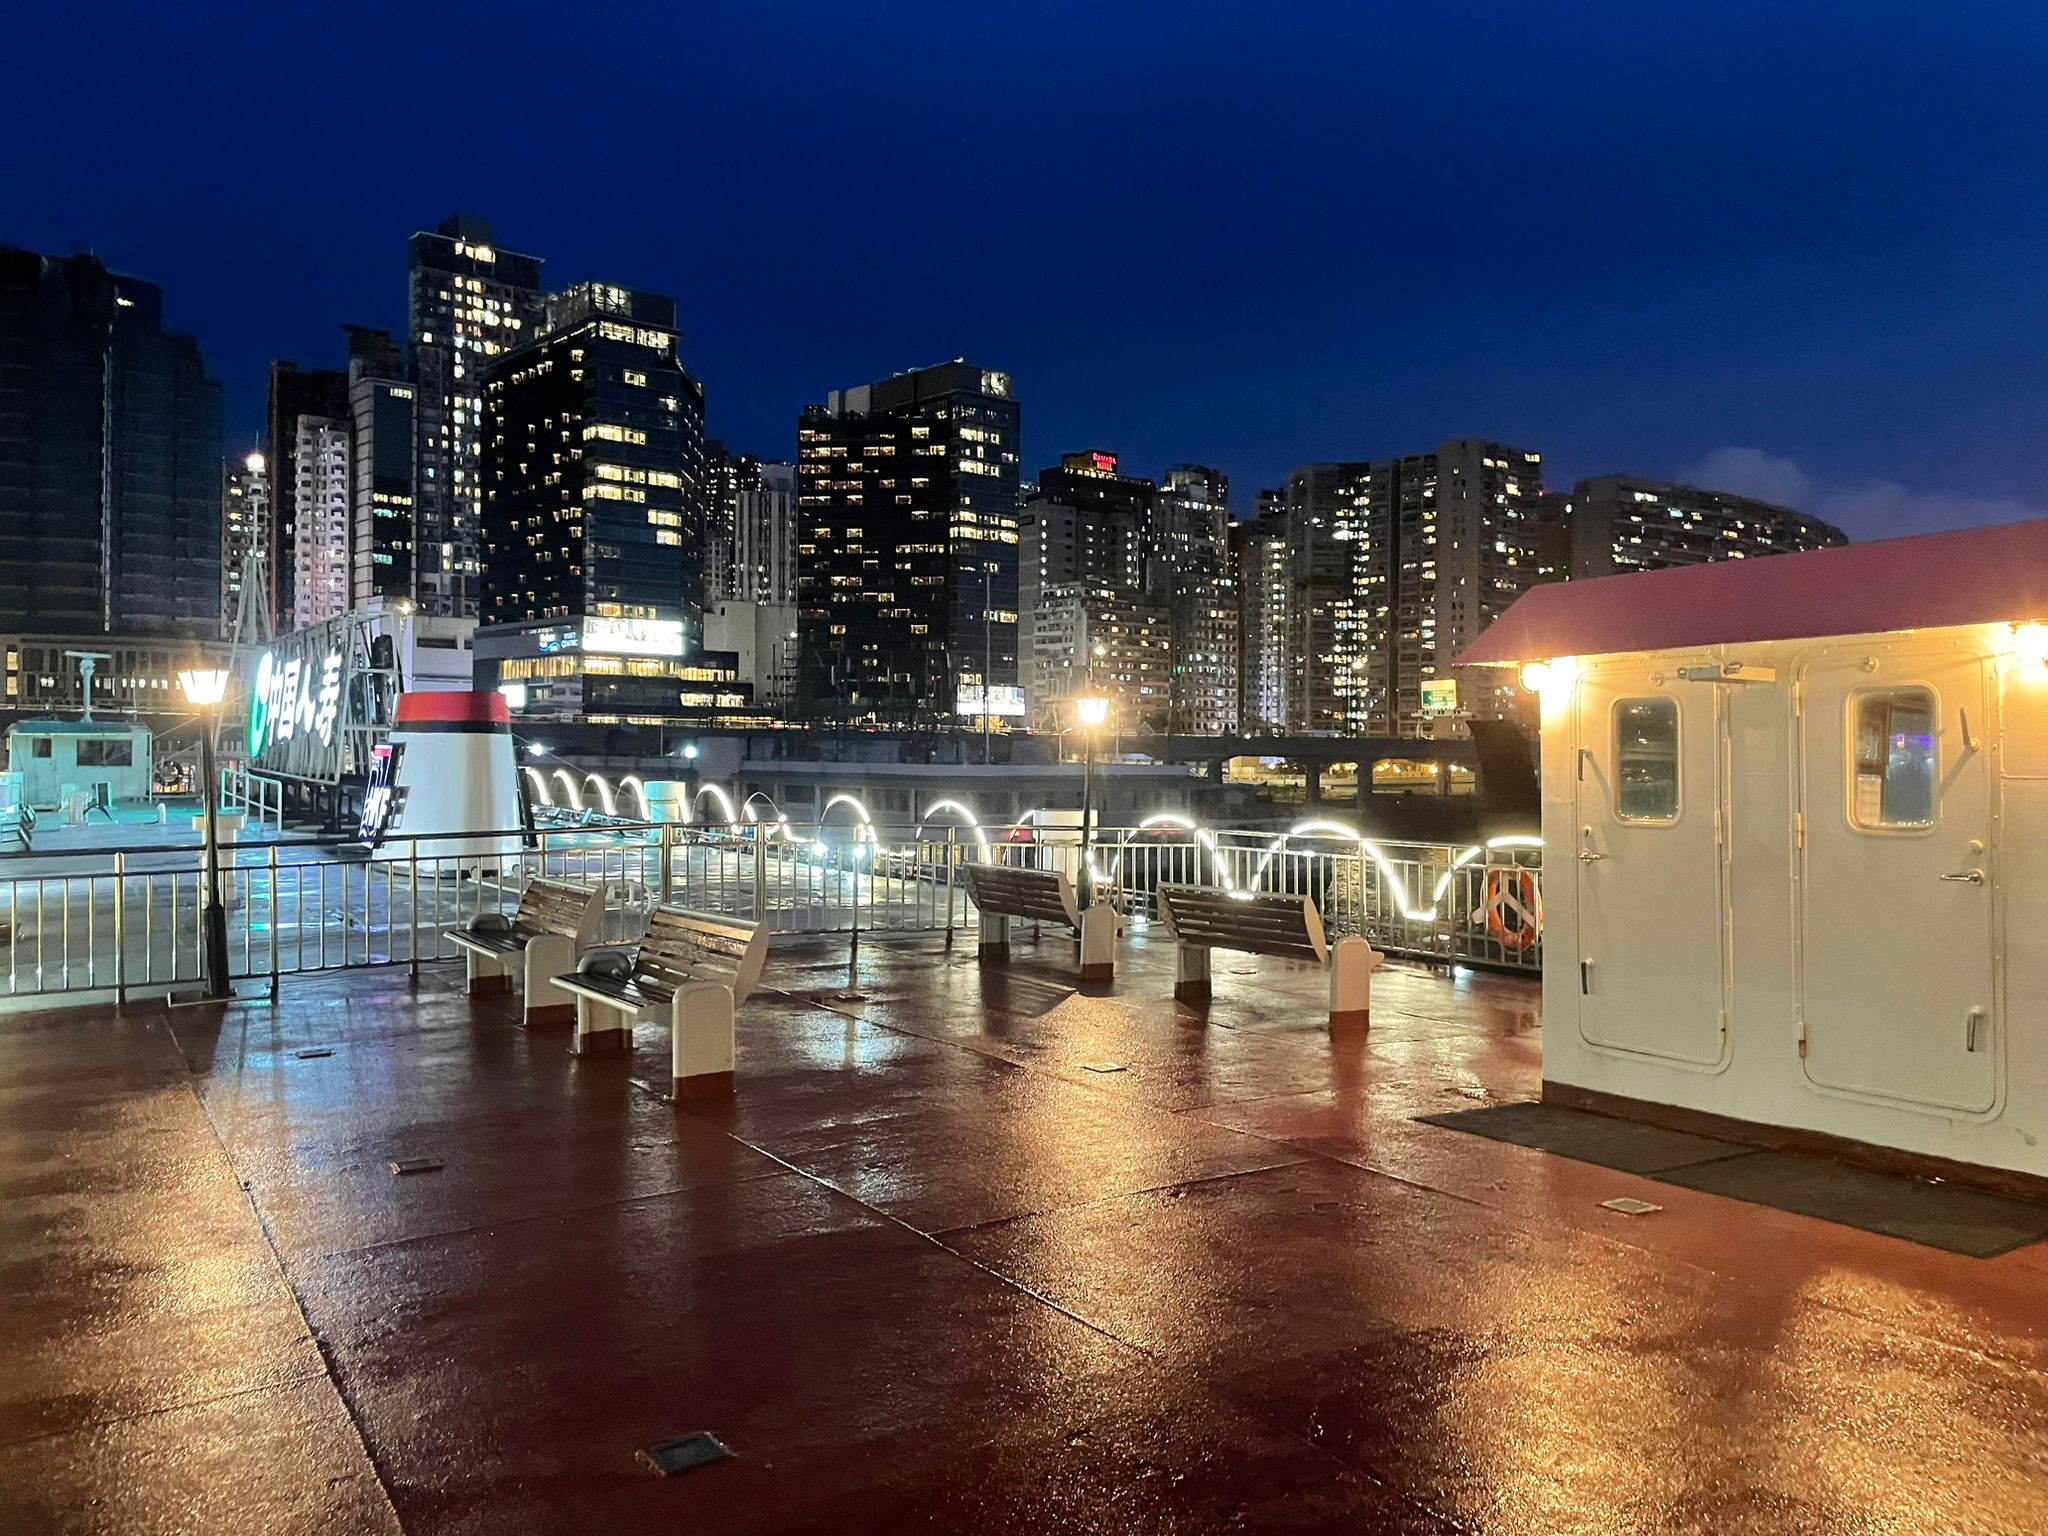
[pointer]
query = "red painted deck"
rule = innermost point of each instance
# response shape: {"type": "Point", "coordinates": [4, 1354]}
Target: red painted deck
{"type": "Point", "coordinates": [930, 1272]}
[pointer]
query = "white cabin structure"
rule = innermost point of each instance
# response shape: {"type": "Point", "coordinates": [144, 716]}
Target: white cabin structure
{"type": "Point", "coordinates": [1795, 828]}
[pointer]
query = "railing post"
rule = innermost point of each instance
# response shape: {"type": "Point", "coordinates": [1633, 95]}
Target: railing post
{"type": "Point", "coordinates": [665, 864]}
{"type": "Point", "coordinates": [412, 902]}
{"type": "Point", "coordinates": [120, 929]}
{"type": "Point", "coordinates": [952, 854]}
{"type": "Point", "coordinates": [271, 864]}
{"type": "Point", "coordinates": [760, 873]}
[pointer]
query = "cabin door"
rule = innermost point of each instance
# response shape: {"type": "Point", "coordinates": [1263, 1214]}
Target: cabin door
{"type": "Point", "coordinates": [1648, 864]}
{"type": "Point", "coordinates": [1897, 879]}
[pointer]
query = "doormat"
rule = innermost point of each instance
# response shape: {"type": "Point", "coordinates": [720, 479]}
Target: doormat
{"type": "Point", "coordinates": [1627, 1146]}
{"type": "Point", "coordinates": [1952, 1217]}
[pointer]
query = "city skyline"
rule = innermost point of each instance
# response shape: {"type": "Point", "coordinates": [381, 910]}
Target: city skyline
{"type": "Point", "coordinates": [1688, 300]}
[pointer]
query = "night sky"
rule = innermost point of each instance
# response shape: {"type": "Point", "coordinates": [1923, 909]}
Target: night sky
{"type": "Point", "coordinates": [1797, 250]}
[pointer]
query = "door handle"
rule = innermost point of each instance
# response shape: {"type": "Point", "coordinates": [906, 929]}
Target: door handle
{"type": "Point", "coordinates": [1590, 857]}
{"type": "Point", "coordinates": [1966, 877]}
{"type": "Point", "coordinates": [1972, 1029]}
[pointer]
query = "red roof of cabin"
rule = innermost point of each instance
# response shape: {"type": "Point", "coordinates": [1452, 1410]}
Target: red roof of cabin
{"type": "Point", "coordinates": [1975, 576]}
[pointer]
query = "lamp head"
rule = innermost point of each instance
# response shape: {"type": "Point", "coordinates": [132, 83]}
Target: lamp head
{"type": "Point", "coordinates": [204, 687]}
{"type": "Point", "coordinates": [1091, 709]}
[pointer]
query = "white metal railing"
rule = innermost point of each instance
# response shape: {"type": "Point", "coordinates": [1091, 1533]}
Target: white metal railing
{"type": "Point", "coordinates": [129, 919]}
{"type": "Point", "coordinates": [255, 795]}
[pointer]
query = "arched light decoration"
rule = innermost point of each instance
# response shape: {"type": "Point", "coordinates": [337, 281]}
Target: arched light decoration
{"type": "Point", "coordinates": [567, 780]}
{"type": "Point", "coordinates": [640, 792]}
{"type": "Point", "coordinates": [864, 829]}
{"type": "Point", "coordinates": [1203, 836]}
{"type": "Point", "coordinates": [732, 817]}
{"type": "Point", "coordinates": [604, 793]}
{"type": "Point", "coordinates": [955, 808]}
{"type": "Point", "coordinates": [541, 797]}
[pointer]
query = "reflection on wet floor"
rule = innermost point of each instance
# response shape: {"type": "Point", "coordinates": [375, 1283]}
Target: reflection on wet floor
{"type": "Point", "coordinates": [933, 1268]}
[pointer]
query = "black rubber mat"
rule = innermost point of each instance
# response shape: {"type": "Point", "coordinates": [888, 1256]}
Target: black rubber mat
{"type": "Point", "coordinates": [1624, 1145]}
{"type": "Point", "coordinates": [1952, 1217]}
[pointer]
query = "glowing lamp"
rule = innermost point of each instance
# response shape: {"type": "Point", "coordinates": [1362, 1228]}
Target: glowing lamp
{"type": "Point", "coordinates": [1091, 709]}
{"type": "Point", "coordinates": [2030, 642]}
{"type": "Point", "coordinates": [204, 687]}
{"type": "Point", "coordinates": [1535, 675]}
{"type": "Point", "coordinates": [253, 463]}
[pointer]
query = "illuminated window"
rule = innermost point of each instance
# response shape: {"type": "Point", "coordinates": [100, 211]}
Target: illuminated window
{"type": "Point", "coordinates": [1646, 760]}
{"type": "Point", "coordinates": [1894, 760]}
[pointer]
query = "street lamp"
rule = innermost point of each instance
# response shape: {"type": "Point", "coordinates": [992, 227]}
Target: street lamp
{"type": "Point", "coordinates": [204, 688]}
{"type": "Point", "coordinates": [1091, 709]}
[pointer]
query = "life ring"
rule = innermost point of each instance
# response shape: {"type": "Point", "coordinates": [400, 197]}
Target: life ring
{"type": "Point", "coordinates": [1514, 908]}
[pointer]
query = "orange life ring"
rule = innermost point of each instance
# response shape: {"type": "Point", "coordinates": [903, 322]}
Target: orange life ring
{"type": "Point", "coordinates": [1513, 907]}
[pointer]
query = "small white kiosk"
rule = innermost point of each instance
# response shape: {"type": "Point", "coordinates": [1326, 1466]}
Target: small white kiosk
{"type": "Point", "coordinates": [1795, 827]}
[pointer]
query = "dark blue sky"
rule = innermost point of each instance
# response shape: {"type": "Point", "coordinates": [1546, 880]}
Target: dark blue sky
{"type": "Point", "coordinates": [1798, 249]}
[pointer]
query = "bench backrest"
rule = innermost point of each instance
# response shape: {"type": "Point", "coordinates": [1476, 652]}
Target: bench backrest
{"type": "Point", "coordinates": [1009, 891]}
{"type": "Point", "coordinates": [1261, 924]}
{"type": "Point", "coordinates": [685, 946]}
{"type": "Point", "coordinates": [557, 906]}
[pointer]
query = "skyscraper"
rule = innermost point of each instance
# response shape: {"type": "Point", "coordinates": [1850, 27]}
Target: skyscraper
{"type": "Point", "coordinates": [110, 489]}
{"type": "Point", "coordinates": [383, 504]}
{"type": "Point", "coordinates": [750, 528]}
{"type": "Point", "coordinates": [296, 394]}
{"type": "Point", "coordinates": [907, 550]}
{"type": "Point", "coordinates": [1627, 523]}
{"type": "Point", "coordinates": [468, 304]}
{"type": "Point", "coordinates": [244, 530]}
{"type": "Point", "coordinates": [593, 467]}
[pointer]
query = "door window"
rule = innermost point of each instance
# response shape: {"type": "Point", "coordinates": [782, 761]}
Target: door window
{"type": "Point", "coordinates": [1646, 759]}
{"type": "Point", "coordinates": [1893, 767]}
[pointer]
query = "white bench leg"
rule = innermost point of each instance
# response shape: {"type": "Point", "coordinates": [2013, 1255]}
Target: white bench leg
{"type": "Point", "coordinates": [601, 1029]}
{"type": "Point", "coordinates": [1352, 963]}
{"type": "Point", "coordinates": [1190, 974]}
{"type": "Point", "coordinates": [486, 975]}
{"type": "Point", "coordinates": [1098, 943]}
{"type": "Point", "coordinates": [701, 1038]}
{"type": "Point", "coordinates": [995, 937]}
{"type": "Point", "coordinates": [549, 955]}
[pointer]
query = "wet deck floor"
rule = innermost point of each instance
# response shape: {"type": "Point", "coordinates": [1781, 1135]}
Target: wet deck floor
{"type": "Point", "coordinates": [932, 1270]}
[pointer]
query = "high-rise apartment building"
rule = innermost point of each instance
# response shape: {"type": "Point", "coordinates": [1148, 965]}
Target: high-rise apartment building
{"type": "Point", "coordinates": [320, 520]}
{"type": "Point", "coordinates": [763, 567]}
{"type": "Point", "coordinates": [593, 465]}
{"type": "Point", "coordinates": [1259, 561]}
{"type": "Point", "coordinates": [750, 542]}
{"type": "Point", "coordinates": [907, 550]}
{"type": "Point", "coordinates": [1395, 566]}
{"type": "Point", "coordinates": [244, 530]}
{"type": "Point", "coordinates": [295, 394]}
{"type": "Point", "coordinates": [1095, 639]}
{"type": "Point", "coordinates": [1189, 568]}
{"type": "Point", "coordinates": [383, 504]}
{"type": "Point", "coordinates": [468, 304]}
{"type": "Point", "coordinates": [1621, 523]}
{"type": "Point", "coordinates": [110, 478]}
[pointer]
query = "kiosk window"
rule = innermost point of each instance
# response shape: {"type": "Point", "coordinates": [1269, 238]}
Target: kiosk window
{"type": "Point", "coordinates": [1894, 763]}
{"type": "Point", "coordinates": [1646, 759]}
{"type": "Point", "coordinates": [106, 752]}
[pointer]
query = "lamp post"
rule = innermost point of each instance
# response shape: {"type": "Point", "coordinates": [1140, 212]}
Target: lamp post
{"type": "Point", "coordinates": [1091, 709]}
{"type": "Point", "coordinates": [204, 688]}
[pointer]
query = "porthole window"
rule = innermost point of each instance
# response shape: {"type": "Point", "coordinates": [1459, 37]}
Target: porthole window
{"type": "Point", "coordinates": [1646, 760]}
{"type": "Point", "coordinates": [1894, 760]}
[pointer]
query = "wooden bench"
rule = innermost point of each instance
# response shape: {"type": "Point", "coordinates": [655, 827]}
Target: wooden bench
{"type": "Point", "coordinates": [1003, 891]}
{"type": "Point", "coordinates": [1290, 927]}
{"type": "Point", "coordinates": [556, 921]}
{"type": "Point", "coordinates": [697, 966]}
